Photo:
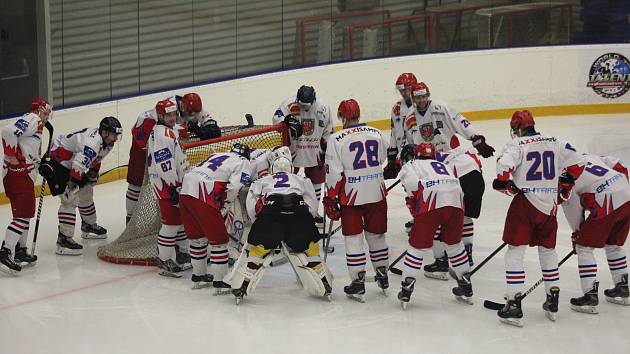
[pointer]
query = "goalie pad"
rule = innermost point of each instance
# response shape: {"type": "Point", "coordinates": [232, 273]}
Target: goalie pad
{"type": "Point", "coordinates": [317, 282]}
{"type": "Point", "coordinates": [242, 273]}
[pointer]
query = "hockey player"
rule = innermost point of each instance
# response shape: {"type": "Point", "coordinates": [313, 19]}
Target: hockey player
{"type": "Point", "coordinates": [283, 205]}
{"type": "Point", "coordinates": [604, 192]}
{"type": "Point", "coordinates": [206, 195]}
{"type": "Point", "coordinates": [400, 110]}
{"type": "Point", "coordinates": [356, 194]}
{"type": "Point", "coordinates": [167, 164]}
{"type": "Point", "coordinates": [190, 112]}
{"type": "Point", "coordinates": [529, 168]}
{"type": "Point", "coordinates": [75, 160]}
{"type": "Point", "coordinates": [309, 122]}
{"type": "Point", "coordinates": [434, 198]}
{"type": "Point", "coordinates": [467, 168]}
{"type": "Point", "coordinates": [21, 142]}
{"type": "Point", "coordinates": [429, 116]}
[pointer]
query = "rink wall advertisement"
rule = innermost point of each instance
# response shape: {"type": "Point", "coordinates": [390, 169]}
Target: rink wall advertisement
{"type": "Point", "coordinates": [485, 84]}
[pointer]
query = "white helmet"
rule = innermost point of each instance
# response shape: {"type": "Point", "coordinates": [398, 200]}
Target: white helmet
{"type": "Point", "coordinates": [279, 151]}
{"type": "Point", "coordinates": [281, 164]}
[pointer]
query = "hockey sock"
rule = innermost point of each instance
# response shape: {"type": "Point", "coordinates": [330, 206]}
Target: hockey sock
{"type": "Point", "coordinates": [17, 229]}
{"type": "Point", "coordinates": [67, 218]}
{"type": "Point", "coordinates": [379, 252]}
{"type": "Point", "coordinates": [24, 237]}
{"type": "Point", "coordinates": [549, 265]}
{"type": "Point", "coordinates": [355, 255]}
{"type": "Point", "coordinates": [166, 242]}
{"type": "Point", "coordinates": [133, 193]}
{"type": "Point", "coordinates": [181, 239]}
{"type": "Point", "coordinates": [88, 213]}
{"type": "Point", "coordinates": [458, 258]}
{"type": "Point", "coordinates": [199, 256]}
{"type": "Point", "coordinates": [587, 267]}
{"type": "Point", "coordinates": [616, 262]}
{"type": "Point", "coordinates": [318, 190]}
{"type": "Point", "coordinates": [438, 246]}
{"type": "Point", "coordinates": [413, 262]}
{"type": "Point", "coordinates": [468, 231]}
{"type": "Point", "coordinates": [219, 261]}
{"type": "Point", "coordinates": [514, 270]}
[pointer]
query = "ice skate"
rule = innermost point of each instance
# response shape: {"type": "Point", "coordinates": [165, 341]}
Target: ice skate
{"type": "Point", "coordinates": [512, 313]}
{"type": "Point", "coordinates": [550, 306]}
{"type": "Point", "coordinates": [356, 289]}
{"type": "Point", "coordinates": [202, 281]}
{"type": "Point", "coordinates": [182, 259]}
{"type": "Point", "coordinates": [93, 232]}
{"type": "Point", "coordinates": [67, 246]}
{"type": "Point", "coordinates": [241, 292]}
{"type": "Point", "coordinates": [408, 226]}
{"type": "Point", "coordinates": [381, 279]}
{"type": "Point", "coordinates": [7, 264]}
{"type": "Point", "coordinates": [405, 291]}
{"type": "Point", "coordinates": [328, 287]}
{"type": "Point", "coordinates": [23, 257]}
{"type": "Point", "coordinates": [469, 250]}
{"type": "Point", "coordinates": [221, 288]}
{"type": "Point", "coordinates": [169, 269]}
{"type": "Point", "coordinates": [464, 292]}
{"type": "Point", "coordinates": [587, 303]}
{"type": "Point", "coordinates": [619, 294]}
{"type": "Point", "coordinates": [437, 269]}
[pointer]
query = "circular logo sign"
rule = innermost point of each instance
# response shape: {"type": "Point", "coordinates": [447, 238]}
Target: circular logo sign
{"type": "Point", "coordinates": [609, 76]}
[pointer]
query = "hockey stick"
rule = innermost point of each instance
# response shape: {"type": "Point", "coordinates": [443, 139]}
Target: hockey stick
{"type": "Point", "coordinates": [491, 305]}
{"type": "Point", "coordinates": [326, 242]}
{"type": "Point", "coordinates": [50, 129]}
{"type": "Point", "coordinates": [391, 266]}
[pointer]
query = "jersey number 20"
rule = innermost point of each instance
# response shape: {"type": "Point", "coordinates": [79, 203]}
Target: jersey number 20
{"type": "Point", "coordinates": [370, 148]}
{"type": "Point", "coordinates": [548, 165]}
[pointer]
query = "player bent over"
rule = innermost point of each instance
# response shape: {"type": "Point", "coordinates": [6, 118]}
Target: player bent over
{"type": "Point", "coordinates": [529, 168]}
{"type": "Point", "coordinates": [283, 205]}
{"type": "Point", "coordinates": [167, 164]}
{"type": "Point", "coordinates": [356, 194]}
{"type": "Point", "coordinates": [206, 195]}
{"type": "Point", "coordinates": [434, 198]}
{"type": "Point", "coordinates": [604, 192]}
{"type": "Point", "coordinates": [22, 147]}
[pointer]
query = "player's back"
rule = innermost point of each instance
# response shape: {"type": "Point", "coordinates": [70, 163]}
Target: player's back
{"type": "Point", "coordinates": [435, 183]}
{"type": "Point", "coordinates": [600, 186]}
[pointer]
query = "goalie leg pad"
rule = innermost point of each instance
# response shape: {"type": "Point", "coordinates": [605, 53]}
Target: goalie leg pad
{"type": "Point", "coordinates": [312, 272]}
{"type": "Point", "coordinates": [251, 270]}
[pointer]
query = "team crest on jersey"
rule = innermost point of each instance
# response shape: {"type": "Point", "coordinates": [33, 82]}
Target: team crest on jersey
{"type": "Point", "coordinates": [308, 126]}
{"type": "Point", "coordinates": [426, 131]}
{"type": "Point", "coordinates": [609, 75]}
{"type": "Point", "coordinates": [162, 155]}
{"type": "Point", "coordinates": [21, 124]}
{"type": "Point", "coordinates": [89, 152]}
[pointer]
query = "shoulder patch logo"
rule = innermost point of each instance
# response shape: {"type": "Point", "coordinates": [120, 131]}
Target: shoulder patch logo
{"type": "Point", "coordinates": [162, 155]}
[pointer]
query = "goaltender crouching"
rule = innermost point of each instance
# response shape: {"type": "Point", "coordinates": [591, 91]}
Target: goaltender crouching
{"type": "Point", "coordinates": [283, 205]}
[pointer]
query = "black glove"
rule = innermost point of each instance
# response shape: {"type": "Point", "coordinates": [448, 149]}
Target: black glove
{"type": "Point", "coordinates": [92, 176]}
{"type": "Point", "coordinates": [391, 170]}
{"type": "Point", "coordinates": [209, 130]}
{"type": "Point", "coordinates": [392, 153]}
{"type": "Point", "coordinates": [173, 195]}
{"type": "Point", "coordinates": [46, 169]}
{"type": "Point", "coordinates": [565, 185]}
{"type": "Point", "coordinates": [507, 187]}
{"type": "Point", "coordinates": [294, 126]}
{"type": "Point", "coordinates": [479, 142]}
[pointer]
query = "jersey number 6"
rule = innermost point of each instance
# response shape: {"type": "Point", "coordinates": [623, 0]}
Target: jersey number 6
{"type": "Point", "coordinates": [371, 151]}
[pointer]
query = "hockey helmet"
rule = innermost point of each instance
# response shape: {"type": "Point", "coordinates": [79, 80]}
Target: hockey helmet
{"type": "Point", "coordinates": [241, 149]}
{"type": "Point", "coordinates": [425, 151]}
{"type": "Point", "coordinates": [521, 120]}
{"type": "Point", "coordinates": [165, 106]}
{"type": "Point", "coordinates": [405, 81]}
{"type": "Point", "coordinates": [191, 103]}
{"type": "Point", "coordinates": [39, 105]}
{"type": "Point", "coordinates": [306, 97]}
{"type": "Point", "coordinates": [348, 109]}
{"type": "Point", "coordinates": [408, 153]}
{"type": "Point", "coordinates": [420, 89]}
{"type": "Point", "coordinates": [110, 124]}
{"type": "Point", "coordinates": [281, 165]}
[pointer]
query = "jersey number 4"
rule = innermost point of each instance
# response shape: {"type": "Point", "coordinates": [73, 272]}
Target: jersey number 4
{"type": "Point", "coordinates": [370, 148]}
{"type": "Point", "coordinates": [546, 159]}
{"type": "Point", "coordinates": [214, 162]}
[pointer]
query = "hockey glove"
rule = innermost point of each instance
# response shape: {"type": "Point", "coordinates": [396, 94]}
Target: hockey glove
{"type": "Point", "coordinates": [92, 176]}
{"type": "Point", "coordinates": [46, 169]}
{"type": "Point", "coordinates": [507, 187]}
{"type": "Point", "coordinates": [209, 130]}
{"type": "Point", "coordinates": [565, 185]}
{"type": "Point", "coordinates": [574, 238]}
{"type": "Point", "coordinates": [332, 208]}
{"type": "Point", "coordinates": [479, 142]}
{"type": "Point", "coordinates": [294, 126]}
{"type": "Point", "coordinates": [391, 170]}
{"type": "Point", "coordinates": [173, 195]}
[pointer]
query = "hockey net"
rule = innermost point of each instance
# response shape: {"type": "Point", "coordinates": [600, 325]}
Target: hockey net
{"type": "Point", "coordinates": [137, 245]}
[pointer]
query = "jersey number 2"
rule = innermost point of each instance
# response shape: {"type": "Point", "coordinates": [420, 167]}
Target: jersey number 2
{"type": "Point", "coordinates": [548, 165]}
{"type": "Point", "coordinates": [371, 151]}
{"type": "Point", "coordinates": [281, 180]}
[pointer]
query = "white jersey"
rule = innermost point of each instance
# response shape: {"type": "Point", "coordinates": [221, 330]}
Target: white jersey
{"type": "Point", "coordinates": [23, 140]}
{"type": "Point", "coordinates": [536, 162]}
{"type": "Point", "coordinates": [218, 179]}
{"type": "Point", "coordinates": [432, 183]}
{"type": "Point", "coordinates": [284, 184]}
{"type": "Point", "coordinates": [354, 171]}
{"type": "Point", "coordinates": [166, 161]}
{"type": "Point", "coordinates": [316, 125]}
{"type": "Point", "coordinates": [461, 161]}
{"type": "Point", "coordinates": [259, 159]}
{"type": "Point", "coordinates": [600, 190]}
{"type": "Point", "coordinates": [399, 113]}
{"type": "Point", "coordinates": [80, 151]}
{"type": "Point", "coordinates": [420, 128]}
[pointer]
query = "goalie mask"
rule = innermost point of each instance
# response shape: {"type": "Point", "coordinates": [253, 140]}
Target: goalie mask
{"type": "Point", "coordinates": [281, 165]}
{"type": "Point", "coordinates": [277, 152]}
{"type": "Point", "coordinates": [241, 149]}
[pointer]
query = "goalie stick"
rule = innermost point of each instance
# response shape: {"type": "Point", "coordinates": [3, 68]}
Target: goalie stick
{"type": "Point", "coordinates": [50, 129]}
{"type": "Point", "coordinates": [491, 305]}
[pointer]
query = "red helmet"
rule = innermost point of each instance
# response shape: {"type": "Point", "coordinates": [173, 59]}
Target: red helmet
{"type": "Point", "coordinates": [426, 150]}
{"type": "Point", "coordinates": [405, 81]}
{"type": "Point", "coordinates": [192, 101]}
{"type": "Point", "coordinates": [165, 106]}
{"type": "Point", "coordinates": [522, 119]}
{"type": "Point", "coordinates": [420, 89]}
{"type": "Point", "coordinates": [39, 104]}
{"type": "Point", "coordinates": [348, 109]}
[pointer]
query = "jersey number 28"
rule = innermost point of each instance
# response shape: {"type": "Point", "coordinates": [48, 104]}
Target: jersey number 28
{"type": "Point", "coordinates": [370, 148]}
